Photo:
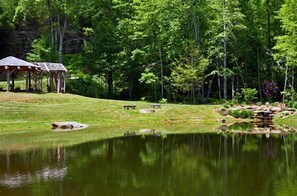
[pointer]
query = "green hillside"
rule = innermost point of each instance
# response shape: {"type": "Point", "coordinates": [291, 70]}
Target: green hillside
{"type": "Point", "coordinates": [25, 119]}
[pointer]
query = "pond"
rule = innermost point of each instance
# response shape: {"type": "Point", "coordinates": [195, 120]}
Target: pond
{"type": "Point", "coordinates": [190, 164]}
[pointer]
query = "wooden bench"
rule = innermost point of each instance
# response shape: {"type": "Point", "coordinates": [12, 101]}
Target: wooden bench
{"type": "Point", "coordinates": [129, 107]}
{"type": "Point", "coordinates": [156, 106]}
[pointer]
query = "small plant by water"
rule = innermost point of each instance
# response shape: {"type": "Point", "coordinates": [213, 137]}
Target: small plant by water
{"type": "Point", "coordinates": [241, 113]}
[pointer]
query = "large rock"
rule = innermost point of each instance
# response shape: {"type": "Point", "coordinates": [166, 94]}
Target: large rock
{"type": "Point", "coordinates": [146, 111]}
{"type": "Point", "coordinates": [276, 109]}
{"type": "Point", "coordinates": [68, 125]}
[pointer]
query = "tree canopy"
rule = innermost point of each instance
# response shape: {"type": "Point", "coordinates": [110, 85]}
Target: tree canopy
{"type": "Point", "coordinates": [181, 50]}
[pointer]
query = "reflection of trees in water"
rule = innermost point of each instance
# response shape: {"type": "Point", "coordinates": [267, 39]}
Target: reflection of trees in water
{"type": "Point", "coordinates": [201, 164]}
{"type": "Point", "coordinates": [23, 168]}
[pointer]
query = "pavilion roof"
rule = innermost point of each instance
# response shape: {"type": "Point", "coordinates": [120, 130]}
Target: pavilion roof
{"type": "Point", "coordinates": [15, 62]}
{"type": "Point", "coordinates": [51, 67]}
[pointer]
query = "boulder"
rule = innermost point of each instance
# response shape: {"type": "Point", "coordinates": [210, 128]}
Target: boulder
{"type": "Point", "coordinates": [276, 109]}
{"type": "Point", "coordinates": [146, 111]}
{"type": "Point", "coordinates": [68, 125]}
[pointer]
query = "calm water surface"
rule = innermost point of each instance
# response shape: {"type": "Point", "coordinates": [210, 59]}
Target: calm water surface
{"type": "Point", "coordinates": [193, 164]}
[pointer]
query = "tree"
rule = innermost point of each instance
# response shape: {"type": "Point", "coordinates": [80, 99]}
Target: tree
{"type": "Point", "coordinates": [150, 79]}
{"type": "Point", "coordinates": [225, 25]}
{"type": "Point", "coordinates": [158, 29]}
{"type": "Point", "coordinates": [286, 46]}
{"type": "Point", "coordinates": [188, 71]}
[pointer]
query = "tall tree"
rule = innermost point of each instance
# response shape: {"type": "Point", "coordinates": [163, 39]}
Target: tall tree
{"type": "Point", "coordinates": [286, 46]}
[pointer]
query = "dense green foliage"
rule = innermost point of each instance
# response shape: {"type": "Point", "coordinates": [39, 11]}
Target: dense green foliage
{"type": "Point", "coordinates": [241, 113]}
{"type": "Point", "coordinates": [181, 50]}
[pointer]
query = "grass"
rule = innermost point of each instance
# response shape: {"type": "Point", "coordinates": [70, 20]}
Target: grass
{"type": "Point", "coordinates": [25, 119]}
{"type": "Point", "coordinates": [289, 121]}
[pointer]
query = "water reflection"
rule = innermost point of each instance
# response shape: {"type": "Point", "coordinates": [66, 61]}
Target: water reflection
{"type": "Point", "coordinates": [45, 174]}
{"type": "Point", "coordinates": [257, 127]}
{"type": "Point", "coordinates": [20, 169]}
{"type": "Point", "coordinates": [193, 164]}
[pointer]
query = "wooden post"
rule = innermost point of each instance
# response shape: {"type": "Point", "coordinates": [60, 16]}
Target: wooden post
{"type": "Point", "coordinates": [52, 82]}
{"type": "Point", "coordinates": [41, 77]}
{"type": "Point", "coordinates": [35, 81]}
{"type": "Point", "coordinates": [64, 82]}
{"type": "Point", "coordinates": [58, 82]}
{"type": "Point", "coordinates": [12, 80]}
{"type": "Point", "coordinates": [48, 82]}
{"type": "Point", "coordinates": [27, 81]}
{"type": "Point", "coordinates": [30, 85]}
{"type": "Point", "coordinates": [7, 79]}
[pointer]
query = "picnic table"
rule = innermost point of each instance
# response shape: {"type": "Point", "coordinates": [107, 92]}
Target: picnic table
{"type": "Point", "coordinates": [129, 107]}
{"type": "Point", "coordinates": [156, 106]}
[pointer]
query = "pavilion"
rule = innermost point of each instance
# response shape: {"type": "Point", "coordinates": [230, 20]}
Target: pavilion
{"type": "Point", "coordinates": [56, 75]}
{"type": "Point", "coordinates": [55, 72]}
{"type": "Point", "coordinates": [12, 66]}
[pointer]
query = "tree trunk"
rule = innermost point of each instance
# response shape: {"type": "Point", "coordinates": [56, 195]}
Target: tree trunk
{"type": "Point", "coordinates": [268, 24]}
{"type": "Point", "coordinates": [259, 76]}
{"type": "Point", "coordinates": [110, 83]}
{"type": "Point", "coordinates": [51, 22]}
{"type": "Point", "coordinates": [219, 81]}
{"type": "Point", "coordinates": [233, 89]}
{"type": "Point", "coordinates": [155, 88]}
{"type": "Point", "coordinates": [202, 93]}
{"type": "Point", "coordinates": [209, 87]}
{"type": "Point", "coordinates": [225, 51]}
{"type": "Point", "coordinates": [293, 78]}
{"type": "Point", "coordinates": [193, 93]}
{"type": "Point", "coordinates": [161, 72]}
{"type": "Point", "coordinates": [196, 29]}
{"type": "Point", "coordinates": [130, 88]}
{"type": "Point", "coordinates": [268, 10]}
{"type": "Point", "coordinates": [61, 37]}
{"type": "Point", "coordinates": [286, 79]}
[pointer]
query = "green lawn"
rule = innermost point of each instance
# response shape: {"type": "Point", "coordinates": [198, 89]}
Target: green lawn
{"type": "Point", "coordinates": [25, 119]}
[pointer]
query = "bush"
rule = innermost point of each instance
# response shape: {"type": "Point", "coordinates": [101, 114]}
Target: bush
{"type": "Point", "coordinates": [163, 100]}
{"type": "Point", "coordinates": [249, 94]}
{"type": "Point", "coordinates": [234, 113]}
{"type": "Point", "coordinates": [246, 114]}
{"type": "Point", "coordinates": [294, 105]}
{"type": "Point", "coordinates": [259, 103]}
{"type": "Point", "coordinates": [143, 98]}
{"type": "Point", "coordinates": [226, 106]}
{"type": "Point", "coordinates": [241, 113]}
{"type": "Point", "coordinates": [291, 104]}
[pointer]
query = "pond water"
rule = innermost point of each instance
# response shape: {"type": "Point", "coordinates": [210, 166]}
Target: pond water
{"type": "Point", "coordinates": [191, 164]}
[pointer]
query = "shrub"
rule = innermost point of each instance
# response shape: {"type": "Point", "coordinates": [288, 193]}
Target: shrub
{"type": "Point", "coordinates": [234, 113]}
{"type": "Point", "coordinates": [269, 89]}
{"type": "Point", "coordinates": [259, 103]}
{"type": "Point", "coordinates": [143, 98]}
{"type": "Point", "coordinates": [290, 94]}
{"type": "Point", "coordinates": [289, 103]}
{"type": "Point", "coordinates": [249, 94]}
{"type": "Point", "coordinates": [163, 100]}
{"type": "Point", "coordinates": [294, 105]}
{"type": "Point", "coordinates": [246, 114]}
{"type": "Point", "coordinates": [226, 106]}
{"type": "Point", "coordinates": [241, 113]}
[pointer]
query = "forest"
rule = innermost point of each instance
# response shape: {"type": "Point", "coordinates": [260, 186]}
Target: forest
{"type": "Point", "coordinates": [182, 51]}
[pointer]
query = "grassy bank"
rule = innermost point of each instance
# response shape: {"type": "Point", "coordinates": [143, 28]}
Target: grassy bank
{"type": "Point", "coordinates": [290, 121]}
{"type": "Point", "coordinates": [25, 119]}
